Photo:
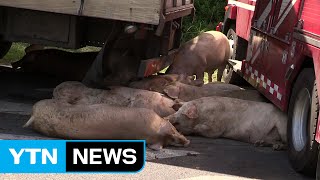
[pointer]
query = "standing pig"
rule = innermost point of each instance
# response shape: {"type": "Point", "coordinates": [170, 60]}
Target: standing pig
{"type": "Point", "coordinates": [205, 53]}
{"type": "Point", "coordinates": [61, 64]}
{"type": "Point", "coordinates": [186, 92]}
{"type": "Point", "coordinates": [222, 117]}
{"type": "Point", "coordinates": [77, 93]}
{"type": "Point", "coordinates": [100, 121]}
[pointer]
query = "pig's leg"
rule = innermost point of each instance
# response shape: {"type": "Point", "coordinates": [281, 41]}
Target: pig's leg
{"type": "Point", "coordinates": [97, 72]}
{"type": "Point", "coordinates": [199, 76]}
{"type": "Point", "coordinates": [220, 72]}
{"type": "Point", "coordinates": [94, 76]}
{"type": "Point", "coordinates": [209, 76]}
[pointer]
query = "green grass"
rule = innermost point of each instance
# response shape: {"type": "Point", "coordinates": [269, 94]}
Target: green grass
{"type": "Point", "coordinates": [205, 79]}
{"type": "Point", "coordinates": [15, 53]}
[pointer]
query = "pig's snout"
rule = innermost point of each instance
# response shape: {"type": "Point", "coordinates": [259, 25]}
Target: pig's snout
{"type": "Point", "coordinates": [179, 139]}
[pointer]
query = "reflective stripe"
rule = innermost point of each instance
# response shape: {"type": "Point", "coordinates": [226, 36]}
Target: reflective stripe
{"type": "Point", "coordinates": [242, 5]}
{"type": "Point", "coordinates": [264, 15]}
{"type": "Point", "coordinates": [256, 55]}
{"type": "Point", "coordinates": [266, 83]}
{"type": "Point", "coordinates": [285, 15]}
{"type": "Point", "coordinates": [284, 4]}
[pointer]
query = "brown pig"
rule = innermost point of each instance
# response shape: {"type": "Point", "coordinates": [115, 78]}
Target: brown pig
{"type": "Point", "coordinates": [186, 92]}
{"type": "Point", "coordinates": [77, 93]}
{"type": "Point", "coordinates": [61, 64]}
{"type": "Point", "coordinates": [120, 68]}
{"type": "Point", "coordinates": [222, 117]}
{"type": "Point", "coordinates": [205, 53]}
{"type": "Point", "coordinates": [100, 121]}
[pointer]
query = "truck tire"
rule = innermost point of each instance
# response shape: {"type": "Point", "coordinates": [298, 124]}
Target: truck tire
{"type": "Point", "coordinates": [318, 169]}
{"type": "Point", "coordinates": [4, 48]}
{"type": "Point", "coordinates": [237, 53]}
{"type": "Point", "coordinates": [302, 121]}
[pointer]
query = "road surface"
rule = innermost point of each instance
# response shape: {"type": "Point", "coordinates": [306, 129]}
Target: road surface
{"type": "Point", "coordinates": [204, 159]}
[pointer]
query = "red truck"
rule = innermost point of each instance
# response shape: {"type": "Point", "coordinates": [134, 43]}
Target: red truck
{"type": "Point", "coordinates": [276, 48]}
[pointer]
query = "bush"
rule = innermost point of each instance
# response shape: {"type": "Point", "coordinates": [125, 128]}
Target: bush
{"type": "Point", "coordinates": [208, 14]}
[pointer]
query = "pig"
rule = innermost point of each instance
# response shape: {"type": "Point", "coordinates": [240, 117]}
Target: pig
{"type": "Point", "coordinates": [121, 69]}
{"type": "Point", "coordinates": [101, 121]}
{"type": "Point", "coordinates": [186, 92]}
{"type": "Point", "coordinates": [222, 117]}
{"type": "Point", "coordinates": [61, 64]}
{"type": "Point", "coordinates": [77, 93]}
{"type": "Point", "coordinates": [205, 53]}
{"type": "Point", "coordinates": [158, 82]}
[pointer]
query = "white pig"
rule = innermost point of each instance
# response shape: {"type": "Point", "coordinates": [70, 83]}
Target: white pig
{"type": "Point", "coordinates": [77, 93]}
{"type": "Point", "coordinates": [222, 117]}
{"type": "Point", "coordinates": [100, 121]}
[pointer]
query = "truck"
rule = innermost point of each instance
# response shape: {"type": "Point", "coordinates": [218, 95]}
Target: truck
{"type": "Point", "coordinates": [77, 23]}
{"type": "Point", "coordinates": [275, 46]}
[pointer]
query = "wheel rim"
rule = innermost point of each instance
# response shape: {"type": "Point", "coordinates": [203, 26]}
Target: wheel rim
{"type": "Point", "coordinates": [300, 117]}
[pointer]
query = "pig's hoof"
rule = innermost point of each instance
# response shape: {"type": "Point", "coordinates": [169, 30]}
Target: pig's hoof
{"type": "Point", "coordinates": [260, 144]}
{"type": "Point", "coordinates": [279, 147]}
{"type": "Point", "coordinates": [156, 147]}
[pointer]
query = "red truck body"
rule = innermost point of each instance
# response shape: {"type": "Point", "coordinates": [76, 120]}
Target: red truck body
{"type": "Point", "coordinates": [281, 35]}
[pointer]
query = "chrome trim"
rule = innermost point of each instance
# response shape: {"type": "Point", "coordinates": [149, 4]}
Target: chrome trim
{"type": "Point", "coordinates": [306, 39]}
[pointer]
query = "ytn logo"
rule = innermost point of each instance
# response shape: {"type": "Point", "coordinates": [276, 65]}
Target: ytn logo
{"type": "Point", "coordinates": [32, 152]}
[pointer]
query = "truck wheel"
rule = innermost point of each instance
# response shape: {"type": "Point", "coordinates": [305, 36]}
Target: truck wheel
{"type": "Point", "coordinates": [318, 169]}
{"type": "Point", "coordinates": [237, 52]}
{"type": "Point", "coordinates": [302, 122]}
{"type": "Point", "coordinates": [4, 48]}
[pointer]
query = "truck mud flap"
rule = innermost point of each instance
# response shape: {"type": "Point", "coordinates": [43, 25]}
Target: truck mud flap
{"type": "Point", "coordinates": [154, 65]}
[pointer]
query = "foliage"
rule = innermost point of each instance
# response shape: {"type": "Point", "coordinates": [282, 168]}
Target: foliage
{"type": "Point", "coordinates": [208, 14]}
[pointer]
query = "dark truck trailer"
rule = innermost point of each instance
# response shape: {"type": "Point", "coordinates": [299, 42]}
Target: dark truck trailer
{"type": "Point", "coordinates": [77, 23]}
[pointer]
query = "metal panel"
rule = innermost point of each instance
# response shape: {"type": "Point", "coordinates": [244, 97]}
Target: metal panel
{"type": "Point", "coordinates": [57, 6]}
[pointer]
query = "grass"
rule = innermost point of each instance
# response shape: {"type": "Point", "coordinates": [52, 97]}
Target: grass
{"type": "Point", "coordinates": [205, 79]}
{"type": "Point", "coordinates": [15, 53]}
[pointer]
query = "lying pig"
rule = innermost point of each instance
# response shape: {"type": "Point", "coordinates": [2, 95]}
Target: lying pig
{"type": "Point", "coordinates": [186, 92]}
{"type": "Point", "coordinates": [61, 64]}
{"type": "Point", "coordinates": [158, 82]}
{"type": "Point", "coordinates": [205, 53]}
{"type": "Point", "coordinates": [77, 93]}
{"type": "Point", "coordinates": [100, 121]}
{"type": "Point", "coordinates": [222, 117]}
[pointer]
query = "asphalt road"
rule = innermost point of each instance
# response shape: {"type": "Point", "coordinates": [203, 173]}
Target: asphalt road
{"type": "Point", "coordinates": [204, 159]}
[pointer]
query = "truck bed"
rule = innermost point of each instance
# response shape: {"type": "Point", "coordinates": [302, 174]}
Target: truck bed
{"type": "Point", "coordinates": [141, 11]}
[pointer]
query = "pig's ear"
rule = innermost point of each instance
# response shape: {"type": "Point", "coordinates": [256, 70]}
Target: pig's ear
{"type": "Point", "coordinates": [178, 103]}
{"type": "Point", "coordinates": [172, 92]}
{"type": "Point", "coordinates": [191, 112]}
